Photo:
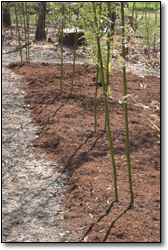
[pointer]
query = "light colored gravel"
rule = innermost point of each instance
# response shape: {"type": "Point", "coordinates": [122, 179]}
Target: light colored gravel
{"type": "Point", "coordinates": [31, 208]}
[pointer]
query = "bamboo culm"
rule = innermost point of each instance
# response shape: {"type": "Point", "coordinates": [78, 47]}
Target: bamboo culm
{"type": "Point", "coordinates": [125, 106]}
{"type": "Point", "coordinates": [62, 43]}
{"type": "Point", "coordinates": [74, 52]}
{"type": "Point", "coordinates": [97, 76]}
{"type": "Point", "coordinates": [18, 30]}
{"type": "Point", "coordinates": [27, 20]}
{"type": "Point", "coordinates": [24, 29]}
{"type": "Point", "coordinates": [105, 103]}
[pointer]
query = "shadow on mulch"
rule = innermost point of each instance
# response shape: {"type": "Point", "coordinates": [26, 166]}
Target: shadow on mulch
{"type": "Point", "coordinates": [66, 135]}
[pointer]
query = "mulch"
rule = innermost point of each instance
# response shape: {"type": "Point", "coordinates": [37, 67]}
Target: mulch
{"type": "Point", "coordinates": [66, 124]}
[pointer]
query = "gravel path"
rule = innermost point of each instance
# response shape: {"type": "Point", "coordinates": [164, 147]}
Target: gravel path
{"type": "Point", "coordinates": [31, 208]}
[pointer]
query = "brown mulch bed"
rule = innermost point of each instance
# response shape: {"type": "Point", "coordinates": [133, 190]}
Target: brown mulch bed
{"type": "Point", "coordinates": [66, 135]}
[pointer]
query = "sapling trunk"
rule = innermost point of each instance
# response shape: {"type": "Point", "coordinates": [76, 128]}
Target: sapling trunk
{"type": "Point", "coordinates": [105, 103]}
{"type": "Point", "coordinates": [74, 51]}
{"type": "Point", "coordinates": [16, 14]}
{"type": "Point", "coordinates": [125, 105]}
{"type": "Point", "coordinates": [62, 43]}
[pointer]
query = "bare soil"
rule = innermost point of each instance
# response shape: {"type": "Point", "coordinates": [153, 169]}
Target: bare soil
{"type": "Point", "coordinates": [66, 135]}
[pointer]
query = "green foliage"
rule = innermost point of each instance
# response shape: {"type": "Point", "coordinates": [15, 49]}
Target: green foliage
{"type": "Point", "coordinates": [144, 15]}
{"type": "Point", "coordinates": [141, 5]}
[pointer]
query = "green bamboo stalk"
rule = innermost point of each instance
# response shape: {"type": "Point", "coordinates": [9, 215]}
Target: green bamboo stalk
{"type": "Point", "coordinates": [27, 20]}
{"type": "Point", "coordinates": [97, 77]}
{"type": "Point", "coordinates": [108, 55]}
{"type": "Point", "coordinates": [108, 47]}
{"type": "Point", "coordinates": [24, 29]}
{"type": "Point", "coordinates": [75, 51]}
{"type": "Point", "coordinates": [62, 43]}
{"type": "Point", "coordinates": [18, 30]}
{"type": "Point", "coordinates": [125, 106]}
{"type": "Point", "coordinates": [147, 29]}
{"type": "Point", "coordinates": [155, 26]}
{"type": "Point", "coordinates": [105, 103]}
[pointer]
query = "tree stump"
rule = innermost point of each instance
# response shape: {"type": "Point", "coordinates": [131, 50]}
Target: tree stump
{"type": "Point", "coordinates": [69, 37]}
{"type": "Point", "coordinates": [6, 17]}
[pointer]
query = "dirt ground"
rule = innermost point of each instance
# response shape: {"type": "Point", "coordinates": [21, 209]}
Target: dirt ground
{"type": "Point", "coordinates": [66, 135]}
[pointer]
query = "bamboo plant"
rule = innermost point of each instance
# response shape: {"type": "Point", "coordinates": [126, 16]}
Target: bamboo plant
{"type": "Point", "coordinates": [25, 30]}
{"type": "Point", "coordinates": [154, 43]}
{"type": "Point", "coordinates": [97, 77]}
{"type": "Point", "coordinates": [17, 24]}
{"type": "Point", "coordinates": [105, 102]}
{"type": "Point", "coordinates": [62, 32]}
{"type": "Point", "coordinates": [27, 23]}
{"type": "Point", "coordinates": [108, 52]}
{"type": "Point", "coordinates": [125, 105]}
{"type": "Point", "coordinates": [75, 50]}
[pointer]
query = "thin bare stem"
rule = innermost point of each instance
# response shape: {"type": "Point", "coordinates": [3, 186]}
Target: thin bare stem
{"type": "Point", "coordinates": [105, 103]}
{"type": "Point", "coordinates": [74, 51]}
{"type": "Point", "coordinates": [125, 105]}
{"type": "Point", "coordinates": [16, 14]}
{"type": "Point", "coordinates": [62, 43]}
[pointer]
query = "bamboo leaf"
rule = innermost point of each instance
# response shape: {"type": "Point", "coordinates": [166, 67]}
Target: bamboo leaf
{"type": "Point", "coordinates": [153, 103]}
{"type": "Point", "coordinates": [154, 32]}
{"type": "Point", "coordinates": [109, 66]}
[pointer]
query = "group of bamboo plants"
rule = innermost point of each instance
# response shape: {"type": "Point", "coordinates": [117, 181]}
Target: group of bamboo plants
{"type": "Point", "coordinates": [91, 18]}
{"type": "Point", "coordinates": [25, 14]}
{"type": "Point", "coordinates": [107, 122]}
{"type": "Point", "coordinates": [105, 101]}
{"type": "Point", "coordinates": [64, 19]}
